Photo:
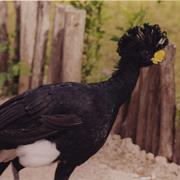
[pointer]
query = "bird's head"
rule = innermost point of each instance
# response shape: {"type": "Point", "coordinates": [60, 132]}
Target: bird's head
{"type": "Point", "coordinates": [143, 45]}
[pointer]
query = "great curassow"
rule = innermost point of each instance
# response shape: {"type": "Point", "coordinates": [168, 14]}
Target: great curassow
{"type": "Point", "coordinates": [69, 122]}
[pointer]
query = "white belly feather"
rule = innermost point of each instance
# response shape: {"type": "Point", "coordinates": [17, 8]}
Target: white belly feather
{"type": "Point", "coordinates": [40, 153]}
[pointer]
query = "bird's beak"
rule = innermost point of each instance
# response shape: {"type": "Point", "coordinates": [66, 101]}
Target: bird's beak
{"type": "Point", "coordinates": [158, 56]}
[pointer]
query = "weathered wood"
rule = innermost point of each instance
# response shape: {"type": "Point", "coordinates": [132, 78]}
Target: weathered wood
{"type": "Point", "coordinates": [116, 129]}
{"type": "Point", "coordinates": [16, 57]}
{"type": "Point", "coordinates": [149, 116]}
{"type": "Point", "coordinates": [55, 66]}
{"type": "Point", "coordinates": [167, 93]}
{"type": "Point", "coordinates": [3, 37]}
{"type": "Point", "coordinates": [43, 25]}
{"type": "Point", "coordinates": [73, 45]}
{"type": "Point", "coordinates": [176, 154]}
{"type": "Point", "coordinates": [143, 103]}
{"type": "Point", "coordinates": [129, 119]}
{"type": "Point", "coordinates": [29, 14]}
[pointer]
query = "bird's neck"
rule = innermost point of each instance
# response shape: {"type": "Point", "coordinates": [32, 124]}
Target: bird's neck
{"type": "Point", "coordinates": [118, 90]}
{"type": "Point", "coordinates": [122, 82]}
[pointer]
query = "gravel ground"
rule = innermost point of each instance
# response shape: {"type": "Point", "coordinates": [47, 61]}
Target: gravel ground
{"type": "Point", "coordinates": [117, 160]}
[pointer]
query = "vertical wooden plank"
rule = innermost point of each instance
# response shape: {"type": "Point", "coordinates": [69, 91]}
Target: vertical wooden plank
{"type": "Point", "coordinates": [129, 124]}
{"type": "Point", "coordinates": [55, 66]}
{"type": "Point", "coordinates": [29, 13]}
{"type": "Point", "coordinates": [167, 93]}
{"type": "Point", "coordinates": [67, 44]}
{"type": "Point", "coordinates": [43, 25]}
{"type": "Point", "coordinates": [116, 129]}
{"type": "Point", "coordinates": [143, 103]}
{"type": "Point", "coordinates": [16, 57]}
{"type": "Point", "coordinates": [73, 45]}
{"type": "Point", "coordinates": [3, 37]}
{"type": "Point", "coordinates": [176, 154]}
{"type": "Point", "coordinates": [152, 117]}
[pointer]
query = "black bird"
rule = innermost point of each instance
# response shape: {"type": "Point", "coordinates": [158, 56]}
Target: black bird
{"type": "Point", "coordinates": [69, 122]}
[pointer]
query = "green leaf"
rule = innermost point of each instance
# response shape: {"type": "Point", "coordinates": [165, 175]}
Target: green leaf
{"type": "Point", "coordinates": [2, 79]}
{"type": "Point", "coordinates": [3, 47]}
{"type": "Point", "coordinates": [16, 69]}
{"type": "Point", "coordinates": [93, 35]}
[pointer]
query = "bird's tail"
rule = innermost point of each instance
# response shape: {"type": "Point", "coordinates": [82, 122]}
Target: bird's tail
{"type": "Point", "coordinates": [12, 138]}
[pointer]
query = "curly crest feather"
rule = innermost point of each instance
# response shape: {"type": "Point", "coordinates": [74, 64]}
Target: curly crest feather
{"type": "Point", "coordinates": [142, 37]}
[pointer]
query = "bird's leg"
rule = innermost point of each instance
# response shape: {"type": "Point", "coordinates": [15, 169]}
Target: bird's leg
{"type": "Point", "coordinates": [16, 167]}
{"type": "Point", "coordinates": [3, 166]}
{"type": "Point", "coordinates": [15, 173]}
{"type": "Point", "coordinates": [63, 171]}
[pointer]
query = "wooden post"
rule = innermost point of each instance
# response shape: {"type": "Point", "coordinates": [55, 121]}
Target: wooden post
{"type": "Point", "coordinates": [176, 155]}
{"type": "Point", "coordinates": [55, 66]}
{"type": "Point", "coordinates": [128, 118]}
{"type": "Point", "coordinates": [34, 34]}
{"type": "Point", "coordinates": [16, 57]}
{"type": "Point", "coordinates": [43, 25]}
{"type": "Point", "coordinates": [29, 14]}
{"type": "Point", "coordinates": [118, 124]}
{"type": "Point", "coordinates": [149, 116]}
{"type": "Point", "coordinates": [67, 45]}
{"type": "Point", "coordinates": [148, 108]}
{"type": "Point", "coordinates": [3, 37]}
{"type": "Point", "coordinates": [73, 45]}
{"type": "Point", "coordinates": [167, 93]}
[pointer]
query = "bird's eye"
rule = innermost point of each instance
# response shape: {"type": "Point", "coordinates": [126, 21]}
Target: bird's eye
{"type": "Point", "coordinates": [146, 52]}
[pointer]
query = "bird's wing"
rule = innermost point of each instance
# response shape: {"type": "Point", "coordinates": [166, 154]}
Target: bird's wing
{"type": "Point", "coordinates": [25, 109]}
{"type": "Point", "coordinates": [51, 125]}
{"type": "Point", "coordinates": [63, 121]}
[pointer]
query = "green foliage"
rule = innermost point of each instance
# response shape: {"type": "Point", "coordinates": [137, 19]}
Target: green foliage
{"type": "Point", "coordinates": [133, 19]}
{"type": "Point", "coordinates": [93, 35]}
{"type": "Point", "coordinates": [3, 47]}
{"type": "Point", "coordinates": [2, 79]}
{"type": "Point", "coordinates": [6, 80]}
{"type": "Point", "coordinates": [9, 79]}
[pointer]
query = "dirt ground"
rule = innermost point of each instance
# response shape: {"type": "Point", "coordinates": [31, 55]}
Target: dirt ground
{"type": "Point", "coordinates": [117, 160]}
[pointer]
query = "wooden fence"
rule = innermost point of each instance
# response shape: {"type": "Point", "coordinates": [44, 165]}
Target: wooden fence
{"type": "Point", "coordinates": [33, 27]}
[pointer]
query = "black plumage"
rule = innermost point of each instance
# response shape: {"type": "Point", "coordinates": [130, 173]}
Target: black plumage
{"type": "Point", "coordinates": [78, 117]}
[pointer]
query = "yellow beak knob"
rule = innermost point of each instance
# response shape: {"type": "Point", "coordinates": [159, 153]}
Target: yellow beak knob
{"type": "Point", "coordinates": [158, 56]}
